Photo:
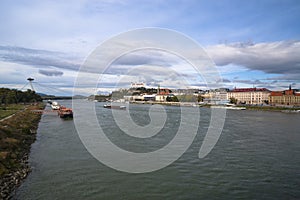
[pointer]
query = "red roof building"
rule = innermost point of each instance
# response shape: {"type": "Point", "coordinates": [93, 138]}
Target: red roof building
{"type": "Point", "coordinates": [286, 97]}
{"type": "Point", "coordinates": [249, 95]}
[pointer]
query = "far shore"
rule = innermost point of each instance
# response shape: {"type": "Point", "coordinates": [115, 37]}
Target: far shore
{"type": "Point", "coordinates": [279, 108]}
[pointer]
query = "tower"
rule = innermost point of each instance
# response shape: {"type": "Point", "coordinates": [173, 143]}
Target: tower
{"type": "Point", "coordinates": [30, 82]}
{"type": "Point", "coordinates": [158, 89]}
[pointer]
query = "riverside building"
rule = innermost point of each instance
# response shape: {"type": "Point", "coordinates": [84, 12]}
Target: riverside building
{"type": "Point", "coordinates": [250, 95]}
{"type": "Point", "coordinates": [286, 97]}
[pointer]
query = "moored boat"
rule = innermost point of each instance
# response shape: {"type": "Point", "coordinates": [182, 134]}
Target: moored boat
{"type": "Point", "coordinates": [114, 106]}
{"type": "Point", "coordinates": [64, 112]}
{"type": "Point", "coordinates": [55, 105]}
{"type": "Point", "coordinates": [229, 107]}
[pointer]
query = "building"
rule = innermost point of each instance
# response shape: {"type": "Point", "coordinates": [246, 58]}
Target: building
{"type": "Point", "coordinates": [134, 98]}
{"type": "Point", "coordinates": [249, 95]}
{"type": "Point", "coordinates": [286, 97]}
{"type": "Point", "coordinates": [138, 85]}
{"type": "Point", "coordinates": [162, 94]}
{"type": "Point", "coordinates": [216, 96]}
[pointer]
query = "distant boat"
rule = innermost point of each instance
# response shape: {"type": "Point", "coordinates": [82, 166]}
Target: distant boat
{"type": "Point", "coordinates": [290, 111]}
{"type": "Point", "coordinates": [229, 107]}
{"type": "Point", "coordinates": [114, 107]}
{"type": "Point", "coordinates": [49, 101]}
{"type": "Point", "coordinates": [55, 105]}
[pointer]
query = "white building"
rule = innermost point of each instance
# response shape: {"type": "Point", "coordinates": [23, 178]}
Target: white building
{"type": "Point", "coordinates": [249, 95]}
{"type": "Point", "coordinates": [217, 96]}
{"type": "Point", "coordinates": [138, 85]}
{"type": "Point", "coordinates": [161, 97]}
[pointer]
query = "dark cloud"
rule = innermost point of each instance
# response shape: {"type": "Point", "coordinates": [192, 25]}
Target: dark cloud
{"type": "Point", "coordinates": [42, 58]}
{"type": "Point", "coordinates": [251, 82]}
{"type": "Point", "coordinates": [273, 82]}
{"type": "Point", "coordinates": [47, 72]}
{"type": "Point", "coordinates": [224, 80]}
{"type": "Point", "coordinates": [38, 58]}
{"type": "Point", "coordinates": [286, 77]}
{"type": "Point", "coordinates": [243, 81]}
{"type": "Point", "coordinates": [274, 58]}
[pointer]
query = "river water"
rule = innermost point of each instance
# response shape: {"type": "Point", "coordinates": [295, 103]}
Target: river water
{"type": "Point", "coordinates": [256, 157]}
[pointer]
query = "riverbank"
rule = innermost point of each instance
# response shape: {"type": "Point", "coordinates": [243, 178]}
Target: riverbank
{"type": "Point", "coordinates": [248, 107]}
{"type": "Point", "coordinates": [274, 108]}
{"type": "Point", "coordinates": [17, 133]}
{"type": "Point", "coordinates": [8, 110]}
{"type": "Point", "coordinates": [165, 103]}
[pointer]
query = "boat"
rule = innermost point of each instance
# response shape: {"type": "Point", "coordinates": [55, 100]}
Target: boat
{"type": "Point", "coordinates": [55, 105]}
{"type": "Point", "coordinates": [114, 106]}
{"type": "Point", "coordinates": [64, 112]}
{"type": "Point", "coordinates": [229, 107]}
{"type": "Point", "coordinates": [236, 108]}
{"type": "Point", "coordinates": [290, 111]}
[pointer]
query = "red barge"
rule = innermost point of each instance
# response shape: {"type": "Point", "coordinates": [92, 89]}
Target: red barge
{"type": "Point", "coordinates": [64, 112]}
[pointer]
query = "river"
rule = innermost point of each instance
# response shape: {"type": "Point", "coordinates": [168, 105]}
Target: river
{"type": "Point", "coordinates": [256, 157]}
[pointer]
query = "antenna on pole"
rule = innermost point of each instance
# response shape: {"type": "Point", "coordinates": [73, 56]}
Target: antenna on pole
{"type": "Point", "coordinates": [158, 89]}
{"type": "Point", "coordinates": [30, 82]}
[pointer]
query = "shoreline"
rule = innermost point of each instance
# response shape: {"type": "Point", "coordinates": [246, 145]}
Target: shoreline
{"type": "Point", "coordinates": [248, 107]}
{"type": "Point", "coordinates": [17, 133]}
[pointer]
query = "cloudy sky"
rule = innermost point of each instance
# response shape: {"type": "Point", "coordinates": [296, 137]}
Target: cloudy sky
{"type": "Point", "coordinates": [253, 43]}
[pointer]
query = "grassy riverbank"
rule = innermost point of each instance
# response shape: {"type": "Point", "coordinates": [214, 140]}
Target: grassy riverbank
{"type": "Point", "coordinates": [7, 110]}
{"type": "Point", "coordinates": [17, 133]}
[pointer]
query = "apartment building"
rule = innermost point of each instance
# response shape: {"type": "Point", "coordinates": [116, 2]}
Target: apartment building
{"type": "Point", "coordinates": [249, 95]}
{"type": "Point", "coordinates": [286, 97]}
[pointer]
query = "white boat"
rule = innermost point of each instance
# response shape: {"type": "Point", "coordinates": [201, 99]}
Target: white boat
{"type": "Point", "coordinates": [236, 108]}
{"type": "Point", "coordinates": [290, 111]}
{"type": "Point", "coordinates": [55, 105]}
{"type": "Point", "coordinates": [114, 106]}
{"type": "Point", "coordinates": [229, 107]}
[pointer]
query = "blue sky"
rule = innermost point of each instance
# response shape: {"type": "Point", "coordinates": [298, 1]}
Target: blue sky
{"type": "Point", "coordinates": [253, 43]}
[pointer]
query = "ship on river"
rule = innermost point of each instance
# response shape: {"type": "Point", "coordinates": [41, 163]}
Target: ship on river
{"type": "Point", "coordinates": [64, 112]}
{"type": "Point", "coordinates": [55, 105]}
{"type": "Point", "coordinates": [114, 107]}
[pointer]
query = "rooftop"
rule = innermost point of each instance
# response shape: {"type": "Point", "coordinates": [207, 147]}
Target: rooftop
{"type": "Point", "coordinates": [285, 92]}
{"type": "Point", "coordinates": [250, 90]}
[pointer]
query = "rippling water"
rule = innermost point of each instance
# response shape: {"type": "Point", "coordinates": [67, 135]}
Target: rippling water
{"type": "Point", "coordinates": [256, 157]}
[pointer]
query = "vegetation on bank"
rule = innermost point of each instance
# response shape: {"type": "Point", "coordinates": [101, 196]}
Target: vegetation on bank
{"type": "Point", "coordinates": [7, 110]}
{"type": "Point", "coordinates": [13, 96]}
{"type": "Point", "coordinates": [271, 108]}
{"type": "Point", "coordinates": [12, 100]}
{"type": "Point", "coordinates": [16, 135]}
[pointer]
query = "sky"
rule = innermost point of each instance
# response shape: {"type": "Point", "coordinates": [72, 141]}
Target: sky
{"type": "Point", "coordinates": [252, 43]}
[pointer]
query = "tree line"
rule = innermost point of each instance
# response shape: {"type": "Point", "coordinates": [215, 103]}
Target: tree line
{"type": "Point", "coordinates": [12, 96]}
